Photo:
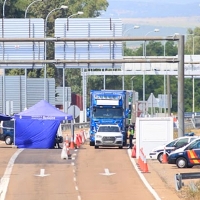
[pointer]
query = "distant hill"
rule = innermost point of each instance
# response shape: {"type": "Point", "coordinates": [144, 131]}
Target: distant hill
{"type": "Point", "coordinates": [152, 8]}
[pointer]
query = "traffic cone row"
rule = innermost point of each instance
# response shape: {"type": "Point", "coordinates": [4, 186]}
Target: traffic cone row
{"type": "Point", "coordinates": [142, 162]}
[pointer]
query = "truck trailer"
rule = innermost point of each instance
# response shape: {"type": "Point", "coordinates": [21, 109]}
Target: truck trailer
{"type": "Point", "coordinates": [109, 107]}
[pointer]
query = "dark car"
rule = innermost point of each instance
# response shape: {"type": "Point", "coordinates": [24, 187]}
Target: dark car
{"type": "Point", "coordinates": [187, 156]}
{"type": "Point", "coordinates": [7, 131]}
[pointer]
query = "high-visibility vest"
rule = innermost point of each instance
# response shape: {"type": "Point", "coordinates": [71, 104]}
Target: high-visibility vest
{"type": "Point", "coordinates": [132, 132]}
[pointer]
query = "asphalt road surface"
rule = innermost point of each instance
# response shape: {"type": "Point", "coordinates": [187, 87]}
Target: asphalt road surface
{"type": "Point", "coordinates": [91, 174]}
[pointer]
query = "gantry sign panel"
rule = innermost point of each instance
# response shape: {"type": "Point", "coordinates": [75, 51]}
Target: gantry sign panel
{"type": "Point", "coordinates": [88, 27]}
{"type": "Point", "coordinates": [22, 28]}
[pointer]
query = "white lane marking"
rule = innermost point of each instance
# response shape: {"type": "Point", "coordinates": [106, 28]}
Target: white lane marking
{"type": "Point", "coordinates": [74, 179]}
{"type": "Point", "coordinates": [6, 177]}
{"type": "Point", "coordinates": [76, 187]}
{"type": "Point", "coordinates": [72, 163]}
{"type": "Point", "coordinates": [74, 171]}
{"type": "Point", "coordinates": [42, 173]}
{"type": "Point", "coordinates": [142, 177]}
{"type": "Point", "coordinates": [107, 173]}
{"type": "Point", "coordinates": [79, 198]}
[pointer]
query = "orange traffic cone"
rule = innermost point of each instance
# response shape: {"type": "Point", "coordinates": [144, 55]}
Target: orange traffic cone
{"type": "Point", "coordinates": [133, 152]}
{"type": "Point", "coordinates": [145, 170]}
{"type": "Point", "coordinates": [72, 143]}
{"type": "Point", "coordinates": [164, 158]}
{"type": "Point", "coordinates": [78, 144]}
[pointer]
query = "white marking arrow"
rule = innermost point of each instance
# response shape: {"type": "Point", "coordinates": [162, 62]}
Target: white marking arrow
{"type": "Point", "coordinates": [107, 173]}
{"type": "Point", "coordinates": [42, 173]}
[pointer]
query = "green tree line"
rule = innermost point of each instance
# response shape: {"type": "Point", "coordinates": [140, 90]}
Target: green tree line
{"type": "Point", "coordinates": [93, 8]}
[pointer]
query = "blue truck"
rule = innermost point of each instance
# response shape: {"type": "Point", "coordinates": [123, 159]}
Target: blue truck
{"type": "Point", "coordinates": [108, 107]}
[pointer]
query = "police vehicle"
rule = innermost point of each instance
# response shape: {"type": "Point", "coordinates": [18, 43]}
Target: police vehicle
{"type": "Point", "coordinates": [186, 157]}
{"type": "Point", "coordinates": [157, 152]}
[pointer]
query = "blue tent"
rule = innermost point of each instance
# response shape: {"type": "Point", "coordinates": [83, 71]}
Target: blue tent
{"type": "Point", "coordinates": [37, 126]}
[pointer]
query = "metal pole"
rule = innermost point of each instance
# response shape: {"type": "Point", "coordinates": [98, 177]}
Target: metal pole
{"type": "Point", "coordinates": [4, 3]}
{"type": "Point", "coordinates": [25, 103]}
{"type": "Point", "coordinates": [64, 89]}
{"type": "Point", "coordinates": [193, 82]}
{"type": "Point", "coordinates": [164, 95]}
{"type": "Point", "coordinates": [45, 48]}
{"type": "Point", "coordinates": [193, 94]}
{"type": "Point", "coordinates": [29, 7]}
{"type": "Point", "coordinates": [4, 72]}
{"type": "Point", "coordinates": [168, 96]}
{"type": "Point", "coordinates": [181, 128]}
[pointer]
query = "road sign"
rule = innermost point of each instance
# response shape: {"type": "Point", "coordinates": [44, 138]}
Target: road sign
{"type": "Point", "coordinates": [152, 101]}
{"type": "Point", "coordinates": [74, 111]}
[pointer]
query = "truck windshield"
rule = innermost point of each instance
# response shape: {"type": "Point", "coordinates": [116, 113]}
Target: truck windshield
{"type": "Point", "coordinates": [107, 113]}
{"type": "Point", "coordinates": [108, 129]}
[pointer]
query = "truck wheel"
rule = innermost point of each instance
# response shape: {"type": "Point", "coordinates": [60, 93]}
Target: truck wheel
{"type": "Point", "coordinates": [96, 147]}
{"type": "Point", "coordinates": [120, 147]}
{"type": "Point", "coordinates": [8, 140]}
{"type": "Point", "coordinates": [181, 162]}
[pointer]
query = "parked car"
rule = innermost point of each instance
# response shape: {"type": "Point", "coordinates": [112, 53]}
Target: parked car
{"type": "Point", "coordinates": [157, 153]}
{"type": "Point", "coordinates": [7, 131]}
{"type": "Point", "coordinates": [186, 157]}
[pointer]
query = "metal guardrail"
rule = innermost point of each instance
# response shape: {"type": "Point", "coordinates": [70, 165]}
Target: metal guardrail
{"type": "Point", "coordinates": [179, 177]}
{"type": "Point", "coordinates": [67, 126]}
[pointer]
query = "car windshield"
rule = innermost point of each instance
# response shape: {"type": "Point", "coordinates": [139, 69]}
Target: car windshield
{"type": "Point", "coordinates": [108, 129]}
{"type": "Point", "coordinates": [171, 144]}
{"type": "Point", "coordinates": [194, 145]}
{"type": "Point", "coordinates": [8, 124]}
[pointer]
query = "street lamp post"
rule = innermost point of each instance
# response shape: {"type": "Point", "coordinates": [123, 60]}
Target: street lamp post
{"type": "Point", "coordinates": [30, 6]}
{"type": "Point", "coordinates": [64, 109]}
{"type": "Point", "coordinates": [45, 49]}
{"type": "Point", "coordinates": [25, 70]}
{"type": "Point", "coordinates": [133, 27]}
{"type": "Point", "coordinates": [144, 54]}
{"type": "Point", "coordinates": [4, 71]}
{"type": "Point", "coordinates": [4, 3]}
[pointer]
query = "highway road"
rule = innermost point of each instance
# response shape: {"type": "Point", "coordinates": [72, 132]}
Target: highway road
{"type": "Point", "coordinates": [41, 174]}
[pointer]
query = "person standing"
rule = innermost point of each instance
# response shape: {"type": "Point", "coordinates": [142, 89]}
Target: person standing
{"type": "Point", "coordinates": [131, 136]}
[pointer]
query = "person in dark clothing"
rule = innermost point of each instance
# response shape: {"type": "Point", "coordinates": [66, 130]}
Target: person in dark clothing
{"type": "Point", "coordinates": [131, 136]}
{"type": "Point", "coordinates": [57, 141]}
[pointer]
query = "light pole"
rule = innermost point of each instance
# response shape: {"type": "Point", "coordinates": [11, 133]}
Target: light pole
{"type": "Point", "coordinates": [4, 3]}
{"type": "Point", "coordinates": [132, 82]}
{"type": "Point", "coordinates": [45, 49]}
{"type": "Point", "coordinates": [193, 90]}
{"type": "Point", "coordinates": [78, 13]}
{"type": "Point", "coordinates": [4, 71]}
{"type": "Point", "coordinates": [133, 27]}
{"type": "Point", "coordinates": [144, 54]}
{"type": "Point", "coordinates": [30, 6]}
{"type": "Point", "coordinates": [25, 70]}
